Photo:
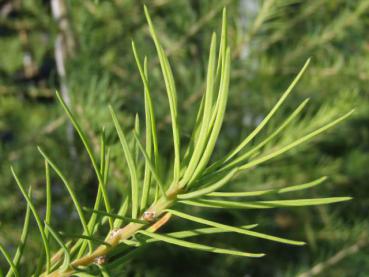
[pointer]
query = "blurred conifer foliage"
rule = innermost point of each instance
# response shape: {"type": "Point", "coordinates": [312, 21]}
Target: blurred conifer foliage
{"type": "Point", "coordinates": [270, 40]}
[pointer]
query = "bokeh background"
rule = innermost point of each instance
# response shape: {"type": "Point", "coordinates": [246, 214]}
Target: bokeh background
{"type": "Point", "coordinates": [82, 48]}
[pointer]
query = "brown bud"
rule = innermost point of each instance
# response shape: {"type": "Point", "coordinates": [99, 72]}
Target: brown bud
{"type": "Point", "coordinates": [100, 260]}
{"type": "Point", "coordinates": [149, 216]}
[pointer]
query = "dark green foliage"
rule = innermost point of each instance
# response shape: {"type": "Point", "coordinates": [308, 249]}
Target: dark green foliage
{"type": "Point", "coordinates": [269, 49]}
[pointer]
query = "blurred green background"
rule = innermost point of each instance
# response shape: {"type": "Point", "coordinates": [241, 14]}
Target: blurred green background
{"type": "Point", "coordinates": [83, 49]}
